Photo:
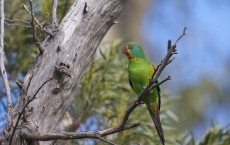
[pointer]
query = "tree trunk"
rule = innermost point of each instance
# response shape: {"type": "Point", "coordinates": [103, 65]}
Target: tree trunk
{"type": "Point", "coordinates": [57, 71]}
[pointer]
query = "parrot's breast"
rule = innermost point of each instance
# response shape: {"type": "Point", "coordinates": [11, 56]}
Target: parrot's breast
{"type": "Point", "coordinates": [139, 74]}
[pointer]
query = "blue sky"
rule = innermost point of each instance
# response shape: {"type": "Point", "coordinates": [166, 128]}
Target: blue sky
{"type": "Point", "coordinates": [205, 49]}
{"type": "Point", "coordinates": [203, 52]}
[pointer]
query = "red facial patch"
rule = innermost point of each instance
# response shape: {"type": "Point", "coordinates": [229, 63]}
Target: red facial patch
{"type": "Point", "coordinates": [126, 51]}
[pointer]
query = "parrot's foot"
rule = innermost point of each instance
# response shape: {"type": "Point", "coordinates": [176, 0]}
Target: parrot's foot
{"type": "Point", "coordinates": [144, 88]}
{"type": "Point", "coordinates": [137, 102]}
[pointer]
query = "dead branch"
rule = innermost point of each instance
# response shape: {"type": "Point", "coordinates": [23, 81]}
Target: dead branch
{"type": "Point", "coordinates": [19, 25]}
{"type": "Point", "coordinates": [36, 39]}
{"type": "Point", "coordinates": [38, 136]}
{"type": "Point", "coordinates": [17, 21]}
{"type": "Point", "coordinates": [54, 14]}
{"type": "Point", "coordinates": [104, 140]}
{"type": "Point", "coordinates": [2, 66]}
{"type": "Point", "coordinates": [44, 29]}
{"type": "Point", "coordinates": [161, 82]}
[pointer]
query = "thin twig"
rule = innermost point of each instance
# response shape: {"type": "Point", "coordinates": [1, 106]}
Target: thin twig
{"type": "Point", "coordinates": [36, 39]}
{"type": "Point", "coordinates": [158, 84]}
{"type": "Point", "coordinates": [37, 22]}
{"type": "Point", "coordinates": [17, 21]}
{"type": "Point", "coordinates": [23, 109]}
{"type": "Point", "coordinates": [118, 22]}
{"type": "Point", "coordinates": [54, 14]}
{"type": "Point", "coordinates": [104, 140]}
{"type": "Point", "coordinates": [20, 25]}
{"type": "Point", "coordinates": [178, 39]}
{"type": "Point", "coordinates": [2, 66]}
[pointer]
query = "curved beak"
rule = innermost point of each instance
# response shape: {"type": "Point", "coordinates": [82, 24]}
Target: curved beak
{"type": "Point", "coordinates": [125, 49]}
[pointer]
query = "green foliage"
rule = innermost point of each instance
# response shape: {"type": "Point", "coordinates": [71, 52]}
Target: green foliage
{"type": "Point", "coordinates": [216, 136]}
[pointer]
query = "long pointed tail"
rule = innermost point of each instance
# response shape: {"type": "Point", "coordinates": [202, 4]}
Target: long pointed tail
{"type": "Point", "coordinates": [156, 119]}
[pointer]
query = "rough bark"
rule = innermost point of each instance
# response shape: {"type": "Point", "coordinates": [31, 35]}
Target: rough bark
{"type": "Point", "coordinates": [70, 50]}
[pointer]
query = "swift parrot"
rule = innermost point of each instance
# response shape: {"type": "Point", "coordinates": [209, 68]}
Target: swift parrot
{"type": "Point", "coordinates": [140, 71]}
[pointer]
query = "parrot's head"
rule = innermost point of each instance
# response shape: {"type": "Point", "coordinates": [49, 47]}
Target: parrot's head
{"type": "Point", "coordinates": [133, 50]}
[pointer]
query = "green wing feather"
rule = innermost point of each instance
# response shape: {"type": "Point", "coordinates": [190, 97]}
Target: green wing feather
{"type": "Point", "coordinates": [130, 83]}
{"type": "Point", "coordinates": [159, 94]}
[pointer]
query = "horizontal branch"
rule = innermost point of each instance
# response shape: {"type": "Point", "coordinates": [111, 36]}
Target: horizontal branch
{"type": "Point", "coordinates": [17, 21]}
{"type": "Point", "coordinates": [38, 136]}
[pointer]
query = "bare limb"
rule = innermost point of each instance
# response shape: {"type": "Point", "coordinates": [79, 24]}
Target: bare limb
{"type": "Point", "coordinates": [38, 136]}
{"type": "Point", "coordinates": [23, 109]}
{"type": "Point", "coordinates": [54, 13]}
{"type": "Point", "coordinates": [2, 66]}
{"type": "Point", "coordinates": [104, 140]}
{"type": "Point", "coordinates": [178, 39]}
{"type": "Point", "coordinates": [17, 21]}
{"type": "Point", "coordinates": [20, 25]}
{"type": "Point", "coordinates": [158, 84]}
{"type": "Point", "coordinates": [47, 31]}
{"type": "Point", "coordinates": [36, 39]}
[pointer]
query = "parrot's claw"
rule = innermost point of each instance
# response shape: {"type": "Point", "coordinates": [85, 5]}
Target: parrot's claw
{"type": "Point", "coordinates": [137, 102]}
{"type": "Point", "coordinates": [144, 88]}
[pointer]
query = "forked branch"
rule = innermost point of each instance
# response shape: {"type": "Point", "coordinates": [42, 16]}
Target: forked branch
{"type": "Point", "coordinates": [44, 29]}
{"type": "Point", "coordinates": [36, 39]}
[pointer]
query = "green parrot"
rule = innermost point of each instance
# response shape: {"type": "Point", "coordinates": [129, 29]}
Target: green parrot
{"type": "Point", "coordinates": [140, 71]}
